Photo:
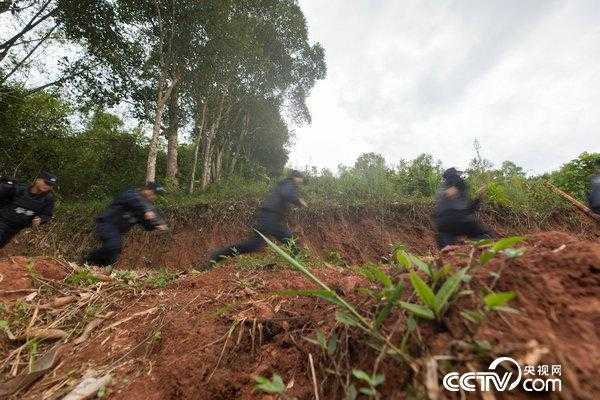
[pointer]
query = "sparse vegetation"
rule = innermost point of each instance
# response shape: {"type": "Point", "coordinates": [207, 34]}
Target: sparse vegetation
{"type": "Point", "coordinates": [161, 278]}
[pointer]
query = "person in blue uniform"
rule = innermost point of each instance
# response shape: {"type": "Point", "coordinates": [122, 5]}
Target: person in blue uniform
{"type": "Point", "coordinates": [23, 206]}
{"type": "Point", "coordinates": [270, 218]}
{"type": "Point", "coordinates": [455, 212]}
{"type": "Point", "coordinates": [128, 209]}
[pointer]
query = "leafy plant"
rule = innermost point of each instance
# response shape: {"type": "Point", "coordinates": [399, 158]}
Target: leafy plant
{"type": "Point", "coordinates": [81, 277]}
{"type": "Point", "coordinates": [329, 346]}
{"type": "Point", "coordinates": [494, 301]}
{"type": "Point", "coordinates": [434, 304]}
{"type": "Point", "coordinates": [274, 385]}
{"type": "Point", "coordinates": [501, 245]}
{"type": "Point", "coordinates": [161, 278]}
{"type": "Point", "coordinates": [347, 313]}
{"type": "Point", "coordinates": [371, 380]}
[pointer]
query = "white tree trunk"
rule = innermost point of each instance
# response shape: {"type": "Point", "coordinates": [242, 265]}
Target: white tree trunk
{"type": "Point", "coordinates": [161, 100]}
{"type": "Point", "coordinates": [173, 140]}
{"type": "Point", "coordinates": [199, 134]}
{"type": "Point", "coordinates": [208, 148]}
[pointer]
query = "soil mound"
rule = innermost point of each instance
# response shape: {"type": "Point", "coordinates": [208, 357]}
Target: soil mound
{"type": "Point", "coordinates": [16, 273]}
{"type": "Point", "coordinates": [208, 335]}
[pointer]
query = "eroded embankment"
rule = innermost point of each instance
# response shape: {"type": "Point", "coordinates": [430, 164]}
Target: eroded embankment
{"type": "Point", "coordinates": [207, 335]}
{"type": "Point", "coordinates": [358, 233]}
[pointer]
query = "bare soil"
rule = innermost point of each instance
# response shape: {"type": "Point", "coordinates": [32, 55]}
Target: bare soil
{"type": "Point", "coordinates": [207, 335]}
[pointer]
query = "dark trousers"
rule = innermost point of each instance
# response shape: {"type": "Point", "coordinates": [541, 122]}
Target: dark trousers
{"type": "Point", "coordinates": [7, 232]}
{"type": "Point", "coordinates": [109, 251]}
{"type": "Point", "coordinates": [450, 229]}
{"type": "Point", "coordinates": [267, 223]}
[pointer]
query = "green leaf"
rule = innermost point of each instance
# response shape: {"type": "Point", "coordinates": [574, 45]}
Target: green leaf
{"type": "Point", "coordinates": [498, 299]}
{"type": "Point", "coordinates": [422, 290]}
{"type": "Point", "coordinates": [346, 319]}
{"type": "Point", "coordinates": [377, 379]}
{"type": "Point", "coordinates": [506, 309]}
{"type": "Point", "coordinates": [275, 385]}
{"type": "Point", "coordinates": [513, 253]}
{"type": "Point", "coordinates": [448, 289]}
{"type": "Point", "coordinates": [506, 243]}
{"type": "Point", "coordinates": [402, 259]}
{"type": "Point", "coordinates": [362, 375]}
{"type": "Point", "coordinates": [420, 264]}
{"type": "Point", "coordinates": [3, 324]}
{"type": "Point", "coordinates": [486, 256]}
{"type": "Point", "coordinates": [473, 316]}
{"type": "Point", "coordinates": [351, 393]}
{"type": "Point", "coordinates": [322, 340]}
{"type": "Point", "coordinates": [418, 310]}
{"type": "Point", "coordinates": [387, 309]}
{"type": "Point", "coordinates": [373, 273]}
{"type": "Point", "coordinates": [329, 296]}
{"type": "Point", "coordinates": [332, 344]}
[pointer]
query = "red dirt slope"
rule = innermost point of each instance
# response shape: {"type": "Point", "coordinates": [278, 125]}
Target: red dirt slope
{"type": "Point", "coordinates": [213, 332]}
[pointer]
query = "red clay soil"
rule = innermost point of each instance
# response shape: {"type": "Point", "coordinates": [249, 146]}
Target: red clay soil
{"type": "Point", "coordinates": [214, 331]}
{"type": "Point", "coordinates": [15, 276]}
{"type": "Point", "coordinates": [358, 239]}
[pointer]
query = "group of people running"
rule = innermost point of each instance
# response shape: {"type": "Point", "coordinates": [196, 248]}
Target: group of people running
{"type": "Point", "coordinates": [23, 206]}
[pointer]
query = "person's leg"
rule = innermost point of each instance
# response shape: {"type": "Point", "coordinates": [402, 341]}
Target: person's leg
{"type": "Point", "coordinates": [445, 238]}
{"type": "Point", "coordinates": [277, 228]}
{"type": "Point", "coordinates": [252, 244]}
{"type": "Point", "coordinates": [473, 229]}
{"type": "Point", "coordinates": [7, 232]}
{"type": "Point", "coordinates": [109, 251]}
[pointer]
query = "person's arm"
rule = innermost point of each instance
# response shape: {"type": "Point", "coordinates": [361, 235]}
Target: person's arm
{"type": "Point", "coordinates": [45, 215]}
{"type": "Point", "coordinates": [290, 194]}
{"type": "Point", "coordinates": [147, 214]}
{"type": "Point", "coordinates": [7, 190]}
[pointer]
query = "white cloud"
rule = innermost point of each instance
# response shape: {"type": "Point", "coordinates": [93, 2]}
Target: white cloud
{"type": "Point", "coordinates": [411, 77]}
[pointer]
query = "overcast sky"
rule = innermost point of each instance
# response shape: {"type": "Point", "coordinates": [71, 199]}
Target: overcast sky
{"type": "Point", "coordinates": [410, 77]}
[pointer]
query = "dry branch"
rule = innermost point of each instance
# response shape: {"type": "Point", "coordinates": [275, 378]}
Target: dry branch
{"type": "Point", "coordinates": [579, 205]}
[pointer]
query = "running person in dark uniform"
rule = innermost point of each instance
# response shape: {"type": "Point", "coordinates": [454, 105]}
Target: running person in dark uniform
{"type": "Point", "coordinates": [129, 208]}
{"type": "Point", "coordinates": [270, 218]}
{"type": "Point", "coordinates": [22, 206]}
{"type": "Point", "coordinates": [454, 214]}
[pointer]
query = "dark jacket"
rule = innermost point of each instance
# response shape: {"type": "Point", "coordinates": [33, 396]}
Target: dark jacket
{"type": "Point", "coordinates": [594, 196]}
{"type": "Point", "coordinates": [281, 198]}
{"type": "Point", "coordinates": [459, 206]}
{"type": "Point", "coordinates": [127, 210]}
{"type": "Point", "coordinates": [18, 206]}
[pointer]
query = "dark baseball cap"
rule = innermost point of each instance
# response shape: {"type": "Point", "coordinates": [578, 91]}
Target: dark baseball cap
{"type": "Point", "coordinates": [156, 187]}
{"type": "Point", "coordinates": [49, 178]}
{"type": "Point", "coordinates": [452, 172]}
{"type": "Point", "coordinates": [296, 174]}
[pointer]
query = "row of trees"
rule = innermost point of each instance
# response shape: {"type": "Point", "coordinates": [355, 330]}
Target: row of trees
{"type": "Point", "coordinates": [229, 73]}
{"type": "Point", "coordinates": [507, 185]}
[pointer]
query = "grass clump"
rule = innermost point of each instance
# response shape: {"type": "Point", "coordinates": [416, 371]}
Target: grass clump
{"type": "Point", "coordinates": [161, 278]}
{"type": "Point", "coordinates": [82, 277]}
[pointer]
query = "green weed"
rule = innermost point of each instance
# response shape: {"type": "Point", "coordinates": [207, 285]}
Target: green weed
{"type": "Point", "coordinates": [161, 278]}
{"type": "Point", "coordinates": [81, 277]}
{"type": "Point", "coordinates": [372, 382]}
{"type": "Point", "coordinates": [275, 385]}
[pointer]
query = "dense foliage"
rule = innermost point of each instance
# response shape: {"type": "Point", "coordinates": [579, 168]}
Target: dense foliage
{"type": "Point", "coordinates": [225, 75]}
